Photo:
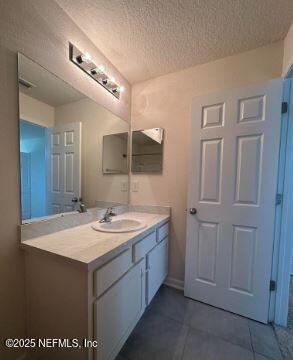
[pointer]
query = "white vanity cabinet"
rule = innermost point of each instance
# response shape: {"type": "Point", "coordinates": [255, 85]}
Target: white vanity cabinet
{"type": "Point", "coordinates": [156, 269]}
{"type": "Point", "coordinates": [118, 310]}
{"type": "Point", "coordinates": [98, 303]}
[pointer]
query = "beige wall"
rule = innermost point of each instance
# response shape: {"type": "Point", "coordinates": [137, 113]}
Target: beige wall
{"type": "Point", "coordinates": [96, 122]}
{"type": "Point", "coordinates": [36, 111]}
{"type": "Point", "coordinates": [288, 51]}
{"type": "Point", "coordinates": [41, 30]}
{"type": "Point", "coordinates": [166, 102]}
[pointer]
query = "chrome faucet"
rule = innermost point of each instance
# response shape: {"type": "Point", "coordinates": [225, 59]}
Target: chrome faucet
{"type": "Point", "coordinates": [81, 206]}
{"type": "Point", "coordinates": [108, 215]}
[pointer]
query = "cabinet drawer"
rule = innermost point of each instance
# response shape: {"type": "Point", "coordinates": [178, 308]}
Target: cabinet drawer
{"type": "Point", "coordinates": [162, 232]}
{"type": "Point", "coordinates": [112, 271]}
{"type": "Point", "coordinates": [141, 248]}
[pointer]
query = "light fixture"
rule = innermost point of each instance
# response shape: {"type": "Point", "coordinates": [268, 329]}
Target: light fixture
{"type": "Point", "coordinates": [84, 62]}
{"type": "Point", "coordinates": [101, 69]}
{"type": "Point", "coordinates": [94, 71]}
{"type": "Point", "coordinates": [98, 70]}
{"type": "Point", "coordinates": [118, 89]}
{"type": "Point", "coordinates": [86, 57]}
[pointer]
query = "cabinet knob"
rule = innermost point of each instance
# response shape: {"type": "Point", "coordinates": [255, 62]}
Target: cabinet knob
{"type": "Point", "coordinates": [192, 211]}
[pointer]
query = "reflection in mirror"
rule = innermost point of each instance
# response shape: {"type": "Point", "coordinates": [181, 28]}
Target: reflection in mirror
{"type": "Point", "coordinates": [115, 153]}
{"type": "Point", "coordinates": [63, 147]}
{"type": "Point", "coordinates": [147, 150]}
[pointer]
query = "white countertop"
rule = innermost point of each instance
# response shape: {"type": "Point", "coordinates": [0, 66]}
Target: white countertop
{"type": "Point", "coordinates": [89, 248]}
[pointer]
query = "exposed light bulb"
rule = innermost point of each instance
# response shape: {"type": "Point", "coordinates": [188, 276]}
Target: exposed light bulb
{"type": "Point", "coordinates": [101, 68]}
{"type": "Point", "coordinates": [86, 57]}
{"type": "Point", "coordinates": [112, 79]}
{"type": "Point", "coordinates": [121, 89]}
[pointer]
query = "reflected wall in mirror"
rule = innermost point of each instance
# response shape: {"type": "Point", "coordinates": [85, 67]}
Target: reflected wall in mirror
{"type": "Point", "coordinates": [147, 151]}
{"type": "Point", "coordinates": [61, 147]}
{"type": "Point", "coordinates": [115, 159]}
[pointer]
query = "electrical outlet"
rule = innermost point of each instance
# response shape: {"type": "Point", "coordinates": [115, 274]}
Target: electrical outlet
{"type": "Point", "coordinates": [135, 186]}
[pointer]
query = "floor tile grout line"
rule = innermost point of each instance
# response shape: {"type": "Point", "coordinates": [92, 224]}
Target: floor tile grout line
{"type": "Point", "coordinates": [277, 339]}
{"type": "Point", "coordinates": [208, 332]}
{"type": "Point", "coordinates": [250, 336]}
{"type": "Point", "coordinates": [213, 334]}
{"type": "Point", "coordinates": [183, 333]}
{"type": "Point", "coordinates": [185, 323]}
{"type": "Point", "coordinates": [183, 352]}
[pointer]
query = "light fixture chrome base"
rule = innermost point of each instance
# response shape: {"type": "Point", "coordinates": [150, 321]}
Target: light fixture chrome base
{"type": "Point", "coordinates": [85, 63]}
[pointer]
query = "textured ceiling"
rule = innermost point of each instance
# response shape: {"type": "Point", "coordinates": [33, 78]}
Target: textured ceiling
{"type": "Point", "coordinates": [148, 38]}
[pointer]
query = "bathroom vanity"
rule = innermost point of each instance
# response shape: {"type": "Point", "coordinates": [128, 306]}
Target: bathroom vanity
{"type": "Point", "coordinates": [83, 284]}
{"type": "Point", "coordinates": [87, 284]}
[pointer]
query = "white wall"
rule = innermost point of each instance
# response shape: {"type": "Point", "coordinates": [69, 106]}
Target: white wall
{"type": "Point", "coordinates": [96, 122]}
{"type": "Point", "coordinates": [41, 30]}
{"type": "Point", "coordinates": [288, 51]}
{"type": "Point", "coordinates": [36, 111]}
{"type": "Point", "coordinates": [166, 102]}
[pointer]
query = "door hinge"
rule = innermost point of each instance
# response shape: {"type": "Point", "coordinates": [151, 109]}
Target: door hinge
{"type": "Point", "coordinates": [284, 107]}
{"type": "Point", "coordinates": [273, 285]}
{"type": "Point", "coordinates": [279, 199]}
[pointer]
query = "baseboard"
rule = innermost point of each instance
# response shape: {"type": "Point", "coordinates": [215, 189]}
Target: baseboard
{"type": "Point", "coordinates": [175, 283]}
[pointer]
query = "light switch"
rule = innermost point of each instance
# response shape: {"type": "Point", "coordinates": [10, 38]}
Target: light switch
{"type": "Point", "coordinates": [135, 186]}
{"type": "Point", "coordinates": [124, 186]}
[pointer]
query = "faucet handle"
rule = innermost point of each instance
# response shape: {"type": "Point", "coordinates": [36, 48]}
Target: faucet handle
{"type": "Point", "coordinates": [111, 212]}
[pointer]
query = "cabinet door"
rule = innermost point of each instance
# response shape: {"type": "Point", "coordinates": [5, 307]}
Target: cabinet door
{"type": "Point", "coordinates": [157, 268]}
{"type": "Point", "coordinates": [118, 311]}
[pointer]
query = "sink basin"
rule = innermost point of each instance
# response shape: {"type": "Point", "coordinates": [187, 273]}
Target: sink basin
{"type": "Point", "coordinates": [119, 226]}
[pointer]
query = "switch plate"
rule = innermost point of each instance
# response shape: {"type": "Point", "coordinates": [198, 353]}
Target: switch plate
{"type": "Point", "coordinates": [124, 186]}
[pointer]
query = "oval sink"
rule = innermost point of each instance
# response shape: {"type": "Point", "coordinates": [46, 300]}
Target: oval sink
{"type": "Point", "coordinates": [119, 226]}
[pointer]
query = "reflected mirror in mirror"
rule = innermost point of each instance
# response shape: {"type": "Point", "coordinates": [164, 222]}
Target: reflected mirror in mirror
{"type": "Point", "coordinates": [147, 151]}
{"type": "Point", "coordinates": [62, 147]}
{"type": "Point", "coordinates": [115, 153]}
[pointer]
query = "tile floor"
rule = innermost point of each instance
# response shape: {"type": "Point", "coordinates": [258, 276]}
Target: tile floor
{"type": "Point", "coordinates": [174, 327]}
{"type": "Point", "coordinates": [285, 334]}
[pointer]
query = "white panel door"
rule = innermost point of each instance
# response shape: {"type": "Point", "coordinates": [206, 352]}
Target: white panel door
{"type": "Point", "coordinates": [64, 167]}
{"type": "Point", "coordinates": [232, 185]}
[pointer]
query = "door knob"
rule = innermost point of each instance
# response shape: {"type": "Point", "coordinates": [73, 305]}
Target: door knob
{"type": "Point", "coordinates": [192, 211]}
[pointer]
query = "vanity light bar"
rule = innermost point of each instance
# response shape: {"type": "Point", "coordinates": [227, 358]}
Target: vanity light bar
{"type": "Point", "coordinates": [84, 62]}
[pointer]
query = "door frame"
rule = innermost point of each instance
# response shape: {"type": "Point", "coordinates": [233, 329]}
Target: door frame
{"type": "Point", "coordinates": [283, 244]}
{"type": "Point", "coordinates": [33, 123]}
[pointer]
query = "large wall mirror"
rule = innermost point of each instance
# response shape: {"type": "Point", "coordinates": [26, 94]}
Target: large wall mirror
{"type": "Point", "coordinates": [70, 147]}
